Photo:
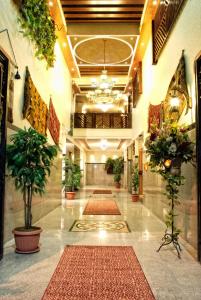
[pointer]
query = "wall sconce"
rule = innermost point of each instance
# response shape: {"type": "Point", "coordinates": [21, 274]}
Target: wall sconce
{"type": "Point", "coordinates": [17, 75]}
{"type": "Point", "coordinates": [174, 102]}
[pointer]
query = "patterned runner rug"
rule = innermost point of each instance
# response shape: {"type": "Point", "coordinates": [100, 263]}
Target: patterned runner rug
{"type": "Point", "coordinates": [97, 225]}
{"type": "Point", "coordinates": [102, 192]}
{"type": "Point", "coordinates": [99, 273]}
{"type": "Point", "coordinates": [101, 207]}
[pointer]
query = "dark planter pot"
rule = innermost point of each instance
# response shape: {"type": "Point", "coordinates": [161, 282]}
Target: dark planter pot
{"type": "Point", "coordinates": [70, 195]}
{"type": "Point", "coordinates": [117, 185]}
{"type": "Point", "coordinates": [27, 241]}
{"type": "Point", "coordinates": [135, 197]}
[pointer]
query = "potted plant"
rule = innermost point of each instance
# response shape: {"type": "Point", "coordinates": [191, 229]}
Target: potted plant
{"type": "Point", "coordinates": [170, 147]}
{"type": "Point", "coordinates": [109, 165]}
{"type": "Point", "coordinates": [118, 169]}
{"type": "Point", "coordinates": [29, 159]}
{"type": "Point", "coordinates": [72, 178]}
{"type": "Point", "coordinates": [135, 183]}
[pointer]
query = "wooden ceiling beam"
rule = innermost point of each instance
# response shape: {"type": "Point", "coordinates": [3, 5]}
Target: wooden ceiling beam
{"type": "Point", "coordinates": [114, 20]}
{"type": "Point", "coordinates": [103, 9]}
{"type": "Point", "coordinates": [103, 3]}
{"type": "Point", "coordinates": [102, 16]}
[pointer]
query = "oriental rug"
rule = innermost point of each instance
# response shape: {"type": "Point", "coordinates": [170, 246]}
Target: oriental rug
{"type": "Point", "coordinates": [102, 192]}
{"type": "Point", "coordinates": [99, 225]}
{"type": "Point", "coordinates": [99, 273]}
{"type": "Point", "coordinates": [101, 207]}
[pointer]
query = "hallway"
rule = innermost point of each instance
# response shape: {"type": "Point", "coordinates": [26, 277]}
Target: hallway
{"type": "Point", "coordinates": [27, 276]}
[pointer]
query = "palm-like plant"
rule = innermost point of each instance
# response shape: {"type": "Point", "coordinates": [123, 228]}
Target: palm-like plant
{"type": "Point", "coordinates": [118, 169]}
{"type": "Point", "coordinates": [72, 176]}
{"type": "Point", "coordinates": [135, 178]}
{"type": "Point", "coordinates": [29, 159]}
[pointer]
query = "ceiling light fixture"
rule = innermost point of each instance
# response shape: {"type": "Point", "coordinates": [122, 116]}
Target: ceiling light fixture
{"type": "Point", "coordinates": [103, 87]}
{"type": "Point", "coordinates": [103, 144]}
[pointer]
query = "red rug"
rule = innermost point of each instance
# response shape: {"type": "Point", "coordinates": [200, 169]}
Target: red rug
{"type": "Point", "coordinates": [102, 192]}
{"type": "Point", "coordinates": [99, 273]}
{"type": "Point", "coordinates": [101, 207]}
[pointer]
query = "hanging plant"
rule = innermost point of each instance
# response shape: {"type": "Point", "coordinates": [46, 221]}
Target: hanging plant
{"type": "Point", "coordinates": [39, 27]}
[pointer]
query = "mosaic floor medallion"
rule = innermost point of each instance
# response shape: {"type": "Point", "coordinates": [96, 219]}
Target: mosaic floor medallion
{"type": "Point", "coordinates": [91, 225]}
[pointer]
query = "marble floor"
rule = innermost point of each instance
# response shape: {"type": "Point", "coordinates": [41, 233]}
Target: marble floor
{"type": "Point", "coordinates": [25, 277]}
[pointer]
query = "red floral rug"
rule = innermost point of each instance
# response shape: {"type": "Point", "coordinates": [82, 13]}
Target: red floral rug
{"type": "Point", "coordinates": [102, 192]}
{"type": "Point", "coordinates": [101, 207]}
{"type": "Point", "coordinates": [99, 273]}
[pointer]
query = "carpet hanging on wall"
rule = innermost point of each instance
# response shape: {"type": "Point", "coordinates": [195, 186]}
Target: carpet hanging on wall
{"type": "Point", "coordinates": [34, 110]}
{"type": "Point", "coordinates": [98, 272]}
{"type": "Point", "coordinates": [155, 115]}
{"type": "Point", "coordinates": [177, 89]}
{"type": "Point", "coordinates": [53, 123]}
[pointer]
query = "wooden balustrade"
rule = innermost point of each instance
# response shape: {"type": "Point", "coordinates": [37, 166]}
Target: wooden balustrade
{"type": "Point", "coordinates": [102, 120]}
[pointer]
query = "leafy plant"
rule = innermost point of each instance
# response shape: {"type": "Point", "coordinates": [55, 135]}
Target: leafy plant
{"type": "Point", "coordinates": [118, 168]}
{"type": "Point", "coordinates": [29, 159]}
{"type": "Point", "coordinates": [72, 176]}
{"type": "Point", "coordinates": [109, 165]}
{"type": "Point", "coordinates": [135, 178]}
{"type": "Point", "coordinates": [39, 27]}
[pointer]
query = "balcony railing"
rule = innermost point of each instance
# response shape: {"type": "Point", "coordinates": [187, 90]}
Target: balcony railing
{"type": "Point", "coordinates": [102, 120]}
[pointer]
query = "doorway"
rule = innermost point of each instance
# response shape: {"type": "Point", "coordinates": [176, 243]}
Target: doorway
{"type": "Point", "coordinates": [3, 98]}
{"type": "Point", "coordinates": [198, 130]}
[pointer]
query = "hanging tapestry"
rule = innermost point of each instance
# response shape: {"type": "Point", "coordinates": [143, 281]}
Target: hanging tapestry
{"type": "Point", "coordinates": [10, 94]}
{"type": "Point", "coordinates": [35, 110]}
{"type": "Point", "coordinates": [155, 116]}
{"type": "Point", "coordinates": [53, 123]}
{"type": "Point", "coordinates": [178, 89]}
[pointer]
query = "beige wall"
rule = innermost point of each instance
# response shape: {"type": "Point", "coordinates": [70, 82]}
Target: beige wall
{"type": "Point", "coordinates": [55, 82]}
{"type": "Point", "coordinates": [101, 156]}
{"type": "Point", "coordinates": [156, 78]}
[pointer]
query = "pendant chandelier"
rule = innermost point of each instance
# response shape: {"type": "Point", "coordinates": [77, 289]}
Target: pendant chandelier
{"type": "Point", "coordinates": [103, 92]}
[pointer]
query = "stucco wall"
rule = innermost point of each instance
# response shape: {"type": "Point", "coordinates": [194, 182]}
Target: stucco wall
{"type": "Point", "coordinates": [54, 82]}
{"type": "Point", "coordinates": [156, 78]}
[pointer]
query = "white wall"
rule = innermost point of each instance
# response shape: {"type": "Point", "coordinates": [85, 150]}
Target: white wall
{"type": "Point", "coordinates": [186, 34]}
{"type": "Point", "coordinates": [54, 81]}
{"type": "Point", "coordinates": [101, 156]}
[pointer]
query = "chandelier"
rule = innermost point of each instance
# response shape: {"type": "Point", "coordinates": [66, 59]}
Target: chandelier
{"type": "Point", "coordinates": [103, 88]}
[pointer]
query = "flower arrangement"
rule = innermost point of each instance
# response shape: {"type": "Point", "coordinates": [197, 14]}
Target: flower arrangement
{"type": "Point", "coordinates": [169, 145]}
{"type": "Point", "coordinates": [168, 148]}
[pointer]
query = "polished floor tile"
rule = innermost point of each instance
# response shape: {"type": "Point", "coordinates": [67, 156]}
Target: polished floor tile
{"type": "Point", "coordinates": [27, 276]}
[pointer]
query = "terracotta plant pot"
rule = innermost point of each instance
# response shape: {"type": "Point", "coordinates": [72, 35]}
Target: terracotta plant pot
{"type": "Point", "coordinates": [117, 185]}
{"type": "Point", "coordinates": [27, 241]}
{"type": "Point", "coordinates": [70, 195]}
{"type": "Point", "coordinates": [135, 197]}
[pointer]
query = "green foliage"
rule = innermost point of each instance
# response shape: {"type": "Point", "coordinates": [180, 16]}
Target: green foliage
{"type": "Point", "coordinates": [38, 26]}
{"type": "Point", "coordinates": [118, 168]}
{"type": "Point", "coordinates": [135, 178]}
{"type": "Point", "coordinates": [171, 142]}
{"type": "Point", "coordinates": [72, 176]}
{"type": "Point", "coordinates": [168, 148]}
{"type": "Point", "coordinates": [109, 165]}
{"type": "Point", "coordinates": [29, 159]}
